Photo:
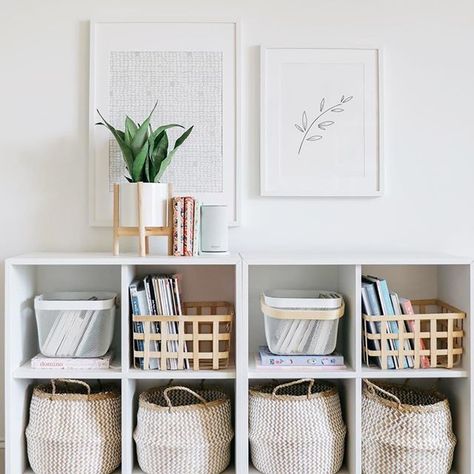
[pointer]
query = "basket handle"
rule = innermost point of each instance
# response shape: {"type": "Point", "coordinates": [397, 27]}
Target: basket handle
{"type": "Point", "coordinates": [186, 389]}
{"type": "Point", "coordinates": [372, 388]}
{"type": "Point", "coordinates": [294, 382]}
{"type": "Point", "coordinates": [66, 381]}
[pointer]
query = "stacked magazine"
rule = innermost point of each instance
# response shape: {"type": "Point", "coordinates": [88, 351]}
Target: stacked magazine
{"type": "Point", "coordinates": [156, 295]}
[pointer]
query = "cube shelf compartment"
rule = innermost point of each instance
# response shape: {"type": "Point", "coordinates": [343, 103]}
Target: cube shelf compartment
{"type": "Point", "coordinates": [239, 280]}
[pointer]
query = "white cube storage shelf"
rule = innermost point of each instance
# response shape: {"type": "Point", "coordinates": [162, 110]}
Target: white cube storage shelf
{"type": "Point", "coordinates": [239, 280]}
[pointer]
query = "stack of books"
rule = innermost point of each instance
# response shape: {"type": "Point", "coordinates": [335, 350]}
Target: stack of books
{"type": "Point", "coordinates": [156, 295]}
{"type": "Point", "coordinates": [377, 300]}
{"type": "Point", "coordinates": [265, 359]}
{"type": "Point", "coordinates": [186, 226]}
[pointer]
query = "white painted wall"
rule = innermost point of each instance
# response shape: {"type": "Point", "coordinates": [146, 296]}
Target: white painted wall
{"type": "Point", "coordinates": [429, 143]}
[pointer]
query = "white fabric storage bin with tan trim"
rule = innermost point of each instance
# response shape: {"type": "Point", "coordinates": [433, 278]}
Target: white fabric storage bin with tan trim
{"type": "Point", "coordinates": [74, 428]}
{"type": "Point", "coordinates": [405, 430]}
{"type": "Point", "coordinates": [181, 430]}
{"type": "Point", "coordinates": [296, 427]}
{"type": "Point", "coordinates": [301, 325]}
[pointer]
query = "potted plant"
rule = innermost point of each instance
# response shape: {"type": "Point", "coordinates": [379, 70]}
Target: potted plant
{"type": "Point", "coordinates": [146, 154]}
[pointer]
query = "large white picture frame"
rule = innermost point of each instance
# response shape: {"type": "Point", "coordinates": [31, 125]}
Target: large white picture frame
{"type": "Point", "coordinates": [320, 122]}
{"type": "Point", "coordinates": [193, 69]}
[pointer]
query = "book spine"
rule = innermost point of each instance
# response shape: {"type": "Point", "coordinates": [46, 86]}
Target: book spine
{"type": "Point", "coordinates": [188, 226]}
{"type": "Point", "coordinates": [408, 309]}
{"type": "Point", "coordinates": [317, 361]}
{"type": "Point", "coordinates": [176, 226]}
{"type": "Point", "coordinates": [197, 227]}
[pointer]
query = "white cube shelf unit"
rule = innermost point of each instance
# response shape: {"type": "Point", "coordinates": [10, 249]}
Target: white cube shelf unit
{"type": "Point", "coordinates": [414, 276]}
{"type": "Point", "coordinates": [203, 279]}
{"type": "Point", "coordinates": [239, 280]}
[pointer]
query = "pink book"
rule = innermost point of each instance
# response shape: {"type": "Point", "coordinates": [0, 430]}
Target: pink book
{"type": "Point", "coordinates": [408, 309]}
{"type": "Point", "coordinates": [188, 226]}
{"type": "Point", "coordinates": [178, 210]}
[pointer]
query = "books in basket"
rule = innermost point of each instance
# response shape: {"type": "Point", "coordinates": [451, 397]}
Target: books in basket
{"type": "Point", "coordinates": [267, 359]}
{"type": "Point", "coordinates": [156, 295]}
{"type": "Point", "coordinates": [40, 361]}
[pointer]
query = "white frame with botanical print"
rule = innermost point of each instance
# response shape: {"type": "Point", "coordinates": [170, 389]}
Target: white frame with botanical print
{"type": "Point", "coordinates": [272, 182]}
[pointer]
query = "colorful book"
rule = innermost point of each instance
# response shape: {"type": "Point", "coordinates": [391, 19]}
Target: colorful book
{"type": "Point", "coordinates": [188, 235]}
{"type": "Point", "coordinates": [374, 309]}
{"type": "Point", "coordinates": [398, 311]}
{"type": "Point", "coordinates": [267, 359]}
{"type": "Point", "coordinates": [387, 309]}
{"type": "Point", "coordinates": [178, 226]}
{"type": "Point", "coordinates": [197, 227]}
{"type": "Point", "coordinates": [42, 362]}
{"type": "Point", "coordinates": [407, 308]}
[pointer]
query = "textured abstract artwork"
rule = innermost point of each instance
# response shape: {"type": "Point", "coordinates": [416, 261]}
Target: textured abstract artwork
{"type": "Point", "coordinates": [188, 87]}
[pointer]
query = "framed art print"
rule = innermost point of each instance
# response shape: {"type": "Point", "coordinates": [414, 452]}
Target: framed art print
{"type": "Point", "coordinates": [191, 69]}
{"type": "Point", "coordinates": [320, 122]}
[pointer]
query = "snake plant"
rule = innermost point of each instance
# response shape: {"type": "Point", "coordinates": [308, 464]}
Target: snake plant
{"type": "Point", "coordinates": [145, 151]}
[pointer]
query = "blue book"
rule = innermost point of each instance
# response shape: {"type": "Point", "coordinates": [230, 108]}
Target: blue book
{"type": "Point", "coordinates": [387, 310]}
{"type": "Point", "coordinates": [372, 308]}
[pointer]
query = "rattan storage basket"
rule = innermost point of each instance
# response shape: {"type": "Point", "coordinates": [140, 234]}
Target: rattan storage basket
{"type": "Point", "coordinates": [296, 428]}
{"type": "Point", "coordinates": [181, 430]}
{"type": "Point", "coordinates": [74, 431]}
{"type": "Point", "coordinates": [405, 431]}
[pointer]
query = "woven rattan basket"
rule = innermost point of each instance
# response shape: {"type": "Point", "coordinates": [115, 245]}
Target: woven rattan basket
{"type": "Point", "coordinates": [74, 429]}
{"type": "Point", "coordinates": [180, 430]}
{"type": "Point", "coordinates": [405, 431]}
{"type": "Point", "coordinates": [296, 427]}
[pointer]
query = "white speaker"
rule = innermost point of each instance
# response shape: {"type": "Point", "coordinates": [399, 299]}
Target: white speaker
{"type": "Point", "coordinates": [214, 229]}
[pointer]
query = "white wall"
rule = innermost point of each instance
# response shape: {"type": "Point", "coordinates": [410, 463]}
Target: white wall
{"type": "Point", "coordinates": [429, 143]}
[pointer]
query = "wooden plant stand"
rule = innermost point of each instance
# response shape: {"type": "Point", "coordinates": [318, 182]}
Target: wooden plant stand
{"type": "Point", "coordinates": [143, 233]}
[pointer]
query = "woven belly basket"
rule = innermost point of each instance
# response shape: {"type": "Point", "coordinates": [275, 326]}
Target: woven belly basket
{"type": "Point", "coordinates": [180, 431]}
{"type": "Point", "coordinates": [74, 432]}
{"type": "Point", "coordinates": [405, 431]}
{"type": "Point", "coordinates": [296, 429]}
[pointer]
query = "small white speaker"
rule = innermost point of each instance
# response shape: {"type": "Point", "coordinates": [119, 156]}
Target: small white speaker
{"type": "Point", "coordinates": [214, 229]}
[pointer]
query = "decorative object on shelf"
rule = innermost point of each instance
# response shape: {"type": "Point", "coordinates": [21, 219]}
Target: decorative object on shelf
{"type": "Point", "coordinates": [75, 323]}
{"type": "Point", "coordinates": [214, 230]}
{"type": "Point", "coordinates": [308, 326]}
{"type": "Point", "coordinates": [141, 205]}
{"type": "Point", "coordinates": [435, 332]}
{"type": "Point", "coordinates": [74, 428]}
{"type": "Point", "coordinates": [182, 430]}
{"type": "Point", "coordinates": [192, 69]}
{"type": "Point", "coordinates": [405, 430]}
{"type": "Point", "coordinates": [141, 231]}
{"type": "Point", "coordinates": [201, 337]}
{"type": "Point", "coordinates": [186, 226]}
{"type": "Point", "coordinates": [296, 427]}
{"type": "Point", "coordinates": [320, 122]}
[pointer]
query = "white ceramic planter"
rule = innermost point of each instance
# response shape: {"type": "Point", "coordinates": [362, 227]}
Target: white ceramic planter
{"type": "Point", "coordinates": [154, 201]}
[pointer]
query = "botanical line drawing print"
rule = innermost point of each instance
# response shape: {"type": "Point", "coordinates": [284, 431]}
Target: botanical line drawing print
{"type": "Point", "coordinates": [305, 129]}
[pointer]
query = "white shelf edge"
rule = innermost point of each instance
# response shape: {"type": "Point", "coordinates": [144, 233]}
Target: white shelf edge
{"type": "Point", "coordinates": [138, 374]}
{"type": "Point", "coordinates": [26, 372]}
{"type": "Point", "coordinates": [124, 259]}
{"type": "Point", "coordinates": [375, 373]}
{"type": "Point", "coordinates": [344, 258]}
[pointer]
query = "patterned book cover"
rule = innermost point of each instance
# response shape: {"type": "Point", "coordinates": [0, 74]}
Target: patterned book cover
{"type": "Point", "coordinates": [197, 227]}
{"type": "Point", "coordinates": [178, 211]}
{"type": "Point", "coordinates": [188, 226]}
